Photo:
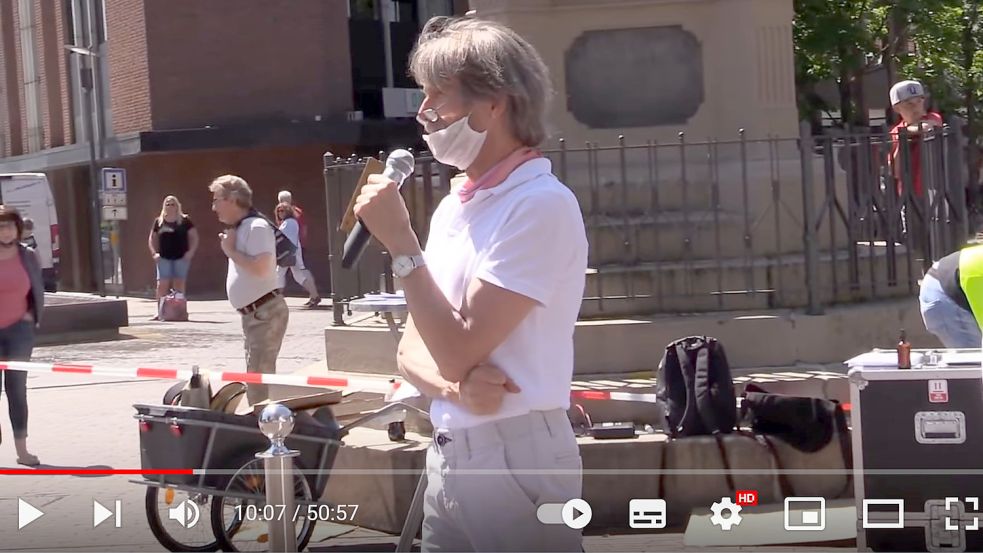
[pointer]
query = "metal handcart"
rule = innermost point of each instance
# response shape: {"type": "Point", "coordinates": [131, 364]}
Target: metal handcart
{"type": "Point", "coordinates": [229, 486]}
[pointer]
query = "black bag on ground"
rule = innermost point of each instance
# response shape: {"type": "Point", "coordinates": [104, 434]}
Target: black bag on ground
{"type": "Point", "coordinates": [805, 423]}
{"type": "Point", "coordinates": [695, 389]}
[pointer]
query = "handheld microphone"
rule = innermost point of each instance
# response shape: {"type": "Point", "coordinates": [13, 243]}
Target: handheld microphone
{"type": "Point", "coordinates": [399, 165]}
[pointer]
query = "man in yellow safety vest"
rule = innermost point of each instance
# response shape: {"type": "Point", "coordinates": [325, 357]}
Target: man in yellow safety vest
{"type": "Point", "coordinates": [951, 297]}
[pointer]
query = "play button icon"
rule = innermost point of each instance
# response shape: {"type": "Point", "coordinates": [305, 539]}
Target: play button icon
{"type": "Point", "coordinates": [576, 513]}
{"type": "Point", "coordinates": [26, 513]}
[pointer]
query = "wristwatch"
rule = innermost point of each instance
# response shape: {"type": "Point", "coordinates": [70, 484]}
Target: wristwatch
{"type": "Point", "coordinates": [403, 265]}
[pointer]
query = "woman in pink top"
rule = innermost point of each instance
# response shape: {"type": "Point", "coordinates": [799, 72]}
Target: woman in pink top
{"type": "Point", "coordinates": [21, 303]}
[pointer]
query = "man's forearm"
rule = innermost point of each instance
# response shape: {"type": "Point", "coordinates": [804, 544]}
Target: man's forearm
{"type": "Point", "coordinates": [418, 367]}
{"type": "Point", "coordinates": [440, 326]}
{"type": "Point", "coordinates": [429, 382]}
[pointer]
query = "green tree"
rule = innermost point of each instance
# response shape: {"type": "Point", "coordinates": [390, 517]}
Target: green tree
{"type": "Point", "coordinates": [839, 40]}
{"type": "Point", "coordinates": [948, 56]}
{"type": "Point", "coordinates": [939, 42]}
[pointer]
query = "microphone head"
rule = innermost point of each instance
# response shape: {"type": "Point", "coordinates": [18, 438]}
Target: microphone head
{"type": "Point", "coordinates": [401, 163]}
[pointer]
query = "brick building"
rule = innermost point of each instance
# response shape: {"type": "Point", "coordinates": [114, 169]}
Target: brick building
{"type": "Point", "coordinates": [186, 90]}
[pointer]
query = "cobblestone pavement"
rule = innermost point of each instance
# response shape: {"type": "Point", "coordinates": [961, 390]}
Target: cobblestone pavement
{"type": "Point", "coordinates": [87, 422]}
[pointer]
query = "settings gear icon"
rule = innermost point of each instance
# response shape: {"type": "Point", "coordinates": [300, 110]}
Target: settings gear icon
{"type": "Point", "coordinates": [733, 517]}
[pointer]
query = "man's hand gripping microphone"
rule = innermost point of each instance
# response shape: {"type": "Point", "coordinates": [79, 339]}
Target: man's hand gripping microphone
{"type": "Point", "coordinates": [399, 165]}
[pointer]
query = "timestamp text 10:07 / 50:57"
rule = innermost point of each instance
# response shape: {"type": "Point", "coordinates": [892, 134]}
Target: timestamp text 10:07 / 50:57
{"type": "Point", "coordinates": [317, 513]}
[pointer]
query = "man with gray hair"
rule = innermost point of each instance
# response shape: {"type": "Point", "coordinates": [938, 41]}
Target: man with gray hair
{"type": "Point", "coordinates": [250, 244]}
{"type": "Point", "coordinates": [285, 197]}
{"type": "Point", "coordinates": [494, 299]}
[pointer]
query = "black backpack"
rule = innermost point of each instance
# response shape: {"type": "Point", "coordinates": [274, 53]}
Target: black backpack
{"type": "Point", "coordinates": [695, 389]}
{"type": "Point", "coordinates": [286, 251]}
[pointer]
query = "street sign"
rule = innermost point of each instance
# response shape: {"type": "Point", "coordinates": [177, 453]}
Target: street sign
{"type": "Point", "coordinates": [113, 213]}
{"type": "Point", "coordinates": [114, 198]}
{"type": "Point", "coordinates": [113, 179]}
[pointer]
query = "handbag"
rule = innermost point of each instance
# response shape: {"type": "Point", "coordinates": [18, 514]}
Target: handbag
{"type": "Point", "coordinates": [806, 423]}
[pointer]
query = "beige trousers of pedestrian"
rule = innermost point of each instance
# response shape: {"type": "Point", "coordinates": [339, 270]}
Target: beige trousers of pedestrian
{"type": "Point", "coordinates": [485, 484]}
{"type": "Point", "coordinates": [264, 330]}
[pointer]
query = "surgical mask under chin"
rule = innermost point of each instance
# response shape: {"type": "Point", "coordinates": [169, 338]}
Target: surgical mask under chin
{"type": "Point", "coordinates": [457, 145]}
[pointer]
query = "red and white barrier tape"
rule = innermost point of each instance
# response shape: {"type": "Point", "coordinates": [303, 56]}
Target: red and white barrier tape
{"type": "Point", "coordinates": [381, 385]}
{"type": "Point", "coordinates": [616, 396]}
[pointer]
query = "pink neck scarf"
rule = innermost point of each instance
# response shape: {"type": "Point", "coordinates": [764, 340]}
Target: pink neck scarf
{"type": "Point", "coordinates": [497, 174]}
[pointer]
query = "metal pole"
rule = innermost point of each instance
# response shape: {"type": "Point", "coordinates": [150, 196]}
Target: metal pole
{"type": "Point", "coordinates": [414, 518]}
{"type": "Point", "coordinates": [387, 42]}
{"type": "Point", "coordinates": [94, 204]}
{"type": "Point", "coordinates": [806, 145]}
{"type": "Point", "coordinates": [276, 422]}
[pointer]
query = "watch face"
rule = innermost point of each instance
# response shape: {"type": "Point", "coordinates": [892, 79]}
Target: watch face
{"type": "Point", "coordinates": [402, 266]}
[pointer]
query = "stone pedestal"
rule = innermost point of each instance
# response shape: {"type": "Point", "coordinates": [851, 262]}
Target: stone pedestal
{"type": "Point", "coordinates": [650, 69]}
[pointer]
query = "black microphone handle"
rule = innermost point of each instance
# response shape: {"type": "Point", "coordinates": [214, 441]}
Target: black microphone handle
{"type": "Point", "coordinates": [357, 240]}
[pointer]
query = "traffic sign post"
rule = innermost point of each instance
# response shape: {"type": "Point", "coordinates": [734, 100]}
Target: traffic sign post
{"type": "Point", "coordinates": [113, 179]}
{"type": "Point", "coordinates": [114, 199]}
{"type": "Point", "coordinates": [113, 213]}
{"type": "Point", "coordinates": [113, 196]}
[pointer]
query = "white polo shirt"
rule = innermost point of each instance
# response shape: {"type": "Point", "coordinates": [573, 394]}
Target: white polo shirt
{"type": "Point", "coordinates": [253, 237]}
{"type": "Point", "coordinates": [525, 235]}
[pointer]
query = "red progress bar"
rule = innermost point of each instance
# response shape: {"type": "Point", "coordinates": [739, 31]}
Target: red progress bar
{"type": "Point", "coordinates": [93, 472]}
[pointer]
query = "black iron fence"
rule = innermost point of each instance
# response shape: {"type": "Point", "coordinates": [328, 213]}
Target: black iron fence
{"type": "Point", "coordinates": [740, 224]}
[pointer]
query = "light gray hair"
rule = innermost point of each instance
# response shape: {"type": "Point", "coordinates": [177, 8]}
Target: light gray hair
{"type": "Point", "coordinates": [285, 196]}
{"type": "Point", "coordinates": [234, 188]}
{"type": "Point", "coordinates": [487, 59]}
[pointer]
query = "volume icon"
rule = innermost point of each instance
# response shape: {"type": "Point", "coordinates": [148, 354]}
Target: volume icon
{"type": "Point", "coordinates": [186, 513]}
{"type": "Point", "coordinates": [100, 513]}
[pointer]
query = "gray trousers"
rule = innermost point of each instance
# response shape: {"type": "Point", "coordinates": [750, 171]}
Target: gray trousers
{"type": "Point", "coordinates": [16, 344]}
{"type": "Point", "coordinates": [486, 483]}
{"type": "Point", "coordinates": [264, 330]}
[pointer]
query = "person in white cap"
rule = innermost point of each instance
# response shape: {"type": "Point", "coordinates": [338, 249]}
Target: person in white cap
{"type": "Point", "coordinates": [908, 101]}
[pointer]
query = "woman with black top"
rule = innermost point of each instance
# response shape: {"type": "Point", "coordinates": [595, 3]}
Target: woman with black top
{"type": "Point", "coordinates": [173, 241]}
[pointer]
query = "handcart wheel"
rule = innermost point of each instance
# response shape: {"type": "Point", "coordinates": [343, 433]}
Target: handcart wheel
{"type": "Point", "coordinates": [397, 431]}
{"type": "Point", "coordinates": [171, 533]}
{"type": "Point", "coordinates": [240, 523]}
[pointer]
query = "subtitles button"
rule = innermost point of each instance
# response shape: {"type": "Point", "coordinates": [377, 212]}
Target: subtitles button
{"type": "Point", "coordinates": [647, 513]}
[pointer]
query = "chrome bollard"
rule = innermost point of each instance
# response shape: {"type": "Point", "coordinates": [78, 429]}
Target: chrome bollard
{"type": "Point", "coordinates": [276, 422]}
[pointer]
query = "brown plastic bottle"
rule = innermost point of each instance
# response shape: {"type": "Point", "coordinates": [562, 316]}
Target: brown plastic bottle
{"type": "Point", "coordinates": [904, 352]}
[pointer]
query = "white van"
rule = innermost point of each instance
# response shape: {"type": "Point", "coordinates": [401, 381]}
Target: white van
{"type": "Point", "coordinates": [31, 194]}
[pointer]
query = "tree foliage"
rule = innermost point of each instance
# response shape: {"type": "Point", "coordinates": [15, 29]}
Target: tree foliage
{"type": "Point", "coordinates": [939, 42]}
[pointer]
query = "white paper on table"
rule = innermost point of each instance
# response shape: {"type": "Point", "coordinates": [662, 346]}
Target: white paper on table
{"type": "Point", "coordinates": [882, 359]}
{"type": "Point", "coordinates": [404, 392]}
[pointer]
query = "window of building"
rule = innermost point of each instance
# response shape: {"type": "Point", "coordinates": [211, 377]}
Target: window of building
{"type": "Point", "coordinates": [32, 80]}
{"type": "Point", "coordinates": [80, 14]}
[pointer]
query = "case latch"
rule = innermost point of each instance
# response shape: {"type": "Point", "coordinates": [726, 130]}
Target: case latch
{"type": "Point", "coordinates": [940, 427]}
{"type": "Point", "coordinates": [945, 531]}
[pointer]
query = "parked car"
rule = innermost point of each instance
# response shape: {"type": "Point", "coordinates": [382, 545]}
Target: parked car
{"type": "Point", "coordinates": [31, 194]}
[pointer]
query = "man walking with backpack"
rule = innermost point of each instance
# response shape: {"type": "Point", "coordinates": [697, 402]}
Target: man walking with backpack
{"type": "Point", "coordinates": [249, 241]}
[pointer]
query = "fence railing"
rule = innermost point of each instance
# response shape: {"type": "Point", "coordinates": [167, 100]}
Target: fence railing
{"type": "Point", "coordinates": [739, 224]}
